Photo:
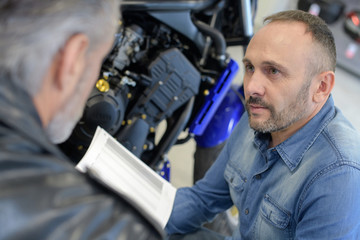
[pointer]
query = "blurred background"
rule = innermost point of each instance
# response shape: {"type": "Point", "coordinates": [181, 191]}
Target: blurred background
{"type": "Point", "coordinates": [346, 92]}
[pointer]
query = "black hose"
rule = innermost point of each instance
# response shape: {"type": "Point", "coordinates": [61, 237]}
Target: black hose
{"type": "Point", "coordinates": [216, 36]}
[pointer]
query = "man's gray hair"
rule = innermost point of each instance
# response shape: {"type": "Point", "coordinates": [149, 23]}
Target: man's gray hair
{"type": "Point", "coordinates": [33, 31]}
{"type": "Point", "coordinates": [321, 35]}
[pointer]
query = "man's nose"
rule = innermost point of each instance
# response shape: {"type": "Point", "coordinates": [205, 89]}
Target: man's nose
{"type": "Point", "coordinates": [254, 85]}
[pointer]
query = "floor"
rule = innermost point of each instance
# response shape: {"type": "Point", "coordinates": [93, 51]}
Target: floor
{"type": "Point", "coordinates": [346, 94]}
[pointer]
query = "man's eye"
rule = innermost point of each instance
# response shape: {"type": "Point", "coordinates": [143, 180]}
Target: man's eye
{"type": "Point", "coordinates": [249, 68]}
{"type": "Point", "coordinates": [273, 71]}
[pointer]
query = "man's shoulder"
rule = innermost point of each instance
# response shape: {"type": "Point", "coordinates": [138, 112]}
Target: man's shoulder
{"type": "Point", "coordinates": [49, 183]}
{"type": "Point", "coordinates": [336, 147]}
{"type": "Point", "coordinates": [334, 152]}
{"type": "Point", "coordinates": [342, 138]}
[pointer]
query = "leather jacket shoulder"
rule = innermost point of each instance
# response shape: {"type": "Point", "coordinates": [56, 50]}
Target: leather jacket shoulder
{"type": "Point", "coordinates": [42, 195]}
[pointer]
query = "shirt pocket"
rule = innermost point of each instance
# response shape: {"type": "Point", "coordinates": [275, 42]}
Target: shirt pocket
{"type": "Point", "coordinates": [277, 216]}
{"type": "Point", "coordinates": [274, 222]}
{"type": "Point", "coordinates": [234, 178]}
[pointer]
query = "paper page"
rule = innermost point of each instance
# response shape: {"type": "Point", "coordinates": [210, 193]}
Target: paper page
{"type": "Point", "coordinates": [122, 171]}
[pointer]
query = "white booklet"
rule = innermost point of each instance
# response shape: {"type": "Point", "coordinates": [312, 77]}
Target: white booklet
{"type": "Point", "coordinates": [123, 172]}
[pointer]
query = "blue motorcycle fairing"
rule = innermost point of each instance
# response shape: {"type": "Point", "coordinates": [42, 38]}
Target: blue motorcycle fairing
{"type": "Point", "coordinates": [214, 99]}
{"type": "Point", "coordinates": [224, 120]}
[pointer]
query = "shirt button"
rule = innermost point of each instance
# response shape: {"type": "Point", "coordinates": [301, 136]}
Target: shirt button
{"type": "Point", "coordinates": [246, 211]}
{"type": "Point", "coordinates": [258, 176]}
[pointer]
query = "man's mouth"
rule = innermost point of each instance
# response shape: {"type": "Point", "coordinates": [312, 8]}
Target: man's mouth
{"type": "Point", "coordinates": [256, 109]}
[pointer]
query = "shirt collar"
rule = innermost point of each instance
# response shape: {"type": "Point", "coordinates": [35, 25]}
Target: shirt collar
{"type": "Point", "coordinates": [293, 149]}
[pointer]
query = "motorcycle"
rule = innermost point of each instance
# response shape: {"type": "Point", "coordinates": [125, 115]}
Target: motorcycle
{"type": "Point", "coordinates": [169, 63]}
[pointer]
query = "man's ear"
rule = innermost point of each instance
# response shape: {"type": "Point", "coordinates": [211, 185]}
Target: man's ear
{"type": "Point", "coordinates": [71, 62]}
{"type": "Point", "coordinates": [324, 85]}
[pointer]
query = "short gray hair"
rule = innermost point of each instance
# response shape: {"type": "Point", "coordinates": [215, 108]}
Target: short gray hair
{"type": "Point", "coordinates": [33, 31]}
{"type": "Point", "coordinates": [321, 35]}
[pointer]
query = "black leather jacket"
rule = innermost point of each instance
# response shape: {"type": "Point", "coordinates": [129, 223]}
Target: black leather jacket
{"type": "Point", "coordinates": [42, 196]}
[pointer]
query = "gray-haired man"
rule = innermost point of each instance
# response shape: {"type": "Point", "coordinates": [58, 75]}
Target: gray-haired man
{"type": "Point", "coordinates": [50, 55]}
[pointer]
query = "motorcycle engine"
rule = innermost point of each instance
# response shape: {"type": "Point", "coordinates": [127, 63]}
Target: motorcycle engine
{"type": "Point", "coordinates": [143, 80]}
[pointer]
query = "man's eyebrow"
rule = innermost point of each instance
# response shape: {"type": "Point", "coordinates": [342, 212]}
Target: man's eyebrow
{"type": "Point", "coordinates": [268, 62]}
{"type": "Point", "coordinates": [274, 64]}
{"type": "Point", "coordinates": [245, 60]}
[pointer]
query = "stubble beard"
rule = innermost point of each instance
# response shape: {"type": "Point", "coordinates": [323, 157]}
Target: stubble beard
{"type": "Point", "coordinates": [283, 119]}
{"type": "Point", "coordinates": [63, 123]}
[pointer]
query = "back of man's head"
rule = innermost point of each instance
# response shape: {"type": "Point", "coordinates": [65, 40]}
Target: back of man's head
{"type": "Point", "coordinates": [33, 31]}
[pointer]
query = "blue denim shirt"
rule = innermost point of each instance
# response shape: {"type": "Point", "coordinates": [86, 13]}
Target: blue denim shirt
{"type": "Point", "coordinates": [307, 187]}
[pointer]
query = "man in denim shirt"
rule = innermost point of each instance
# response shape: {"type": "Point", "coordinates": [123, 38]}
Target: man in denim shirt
{"type": "Point", "coordinates": [292, 165]}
